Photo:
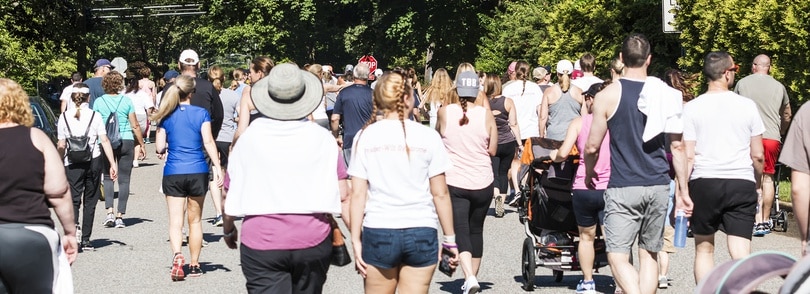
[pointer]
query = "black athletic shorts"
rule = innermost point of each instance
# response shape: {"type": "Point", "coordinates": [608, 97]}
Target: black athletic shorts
{"type": "Point", "coordinates": [728, 205]}
{"type": "Point", "coordinates": [222, 148]}
{"type": "Point", "coordinates": [185, 185]}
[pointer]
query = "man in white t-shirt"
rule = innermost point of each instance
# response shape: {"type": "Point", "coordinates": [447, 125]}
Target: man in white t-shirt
{"type": "Point", "coordinates": [588, 65]}
{"type": "Point", "coordinates": [723, 136]}
{"type": "Point", "coordinates": [66, 97]}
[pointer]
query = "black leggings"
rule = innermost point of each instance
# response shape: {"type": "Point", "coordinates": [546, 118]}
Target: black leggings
{"type": "Point", "coordinates": [124, 155]}
{"type": "Point", "coordinates": [29, 258]}
{"type": "Point", "coordinates": [501, 163]}
{"type": "Point", "coordinates": [469, 211]}
{"type": "Point", "coordinates": [84, 179]}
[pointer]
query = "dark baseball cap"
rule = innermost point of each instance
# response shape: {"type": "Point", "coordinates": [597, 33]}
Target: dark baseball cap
{"type": "Point", "coordinates": [103, 62]}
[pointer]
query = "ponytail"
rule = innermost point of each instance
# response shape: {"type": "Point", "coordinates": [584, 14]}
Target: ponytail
{"type": "Point", "coordinates": [171, 98]}
{"type": "Point", "coordinates": [464, 120]}
{"type": "Point", "coordinates": [173, 95]}
{"type": "Point", "coordinates": [78, 98]}
{"type": "Point", "coordinates": [401, 111]}
{"type": "Point", "coordinates": [565, 81]}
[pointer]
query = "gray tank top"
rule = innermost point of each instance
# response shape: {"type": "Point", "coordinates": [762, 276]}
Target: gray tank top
{"type": "Point", "coordinates": [560, 115]}
{"type": "Point", "coordinates": [501, 120]}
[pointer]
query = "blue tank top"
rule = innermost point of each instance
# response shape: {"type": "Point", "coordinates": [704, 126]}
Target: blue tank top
{"type": "Point", "coordinates": [634, 162]}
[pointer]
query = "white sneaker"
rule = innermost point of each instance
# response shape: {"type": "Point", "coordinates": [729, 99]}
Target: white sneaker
{"type": "Point", "coordinates": [135, 163]}
{"type": "Point", "coordinates": [470, 286]}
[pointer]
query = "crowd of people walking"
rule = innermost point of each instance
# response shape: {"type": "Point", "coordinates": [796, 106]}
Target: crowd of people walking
{"type": "Point", "coordinates": [409, 192]}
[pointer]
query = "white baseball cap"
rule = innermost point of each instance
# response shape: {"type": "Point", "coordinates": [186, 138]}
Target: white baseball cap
{"type": "Point", "coordinates": [378, 72]}
{"type": "Point", "coordinates": [565, 66]}
{"type": "Point", "coordinates": [189, 57]}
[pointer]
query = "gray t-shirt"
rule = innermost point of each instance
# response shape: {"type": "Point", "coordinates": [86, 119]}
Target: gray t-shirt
{"type": "Point", "coordinates": [230, 101]}
{"type": "Point", "coordinates": [770, 96]}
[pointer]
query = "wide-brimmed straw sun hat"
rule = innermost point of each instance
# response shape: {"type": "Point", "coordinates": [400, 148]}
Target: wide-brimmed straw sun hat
{"type": "Point", "coordinates": [287, 93]}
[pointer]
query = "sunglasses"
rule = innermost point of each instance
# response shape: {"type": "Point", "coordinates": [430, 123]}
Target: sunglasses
{"type": "Point", "coordinates": [735, 68]}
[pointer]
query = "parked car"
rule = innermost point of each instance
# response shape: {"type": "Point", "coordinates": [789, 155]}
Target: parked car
{"type": "Point", "coordinates": [44, 118]}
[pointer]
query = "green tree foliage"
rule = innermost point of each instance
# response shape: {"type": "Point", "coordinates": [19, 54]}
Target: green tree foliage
{"type": "Point", "coordinates": [746, 28]}
{"type": "Point", "coordinates": [30, 52]}
{"type": "Point", "coordinates": [543, 32]}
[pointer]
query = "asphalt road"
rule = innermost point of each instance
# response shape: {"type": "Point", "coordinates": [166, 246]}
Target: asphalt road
{"type": "Point", "coordinates": [137, 259]}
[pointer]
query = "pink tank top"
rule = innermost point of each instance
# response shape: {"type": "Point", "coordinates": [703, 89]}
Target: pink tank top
{"type": "Point", "coordinates": [602, 166]}
{"type": "Point", "coordinates": [467, 146]}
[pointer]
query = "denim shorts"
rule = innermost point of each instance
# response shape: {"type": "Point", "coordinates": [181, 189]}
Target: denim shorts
{"type": "Point", "coordinates": [390, 248]}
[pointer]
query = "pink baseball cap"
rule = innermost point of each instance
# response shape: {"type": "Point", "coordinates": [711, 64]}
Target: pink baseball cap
{"type": "Point", "coordinates": [512, 67]}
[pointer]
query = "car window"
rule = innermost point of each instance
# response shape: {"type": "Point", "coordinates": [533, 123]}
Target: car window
{"type": "Point", "coordinates": [40, 120]}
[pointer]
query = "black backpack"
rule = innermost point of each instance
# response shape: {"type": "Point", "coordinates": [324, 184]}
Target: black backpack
{"type": "Point", "coordinates": [79, 148]}
{"type": "Point", "coordinates": [112, 126]}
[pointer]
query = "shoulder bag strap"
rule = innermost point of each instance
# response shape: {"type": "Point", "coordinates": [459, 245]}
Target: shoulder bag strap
{"type": "Point", "coordinates": [70, 133]}
{"type": "Point", "coordinates": [87, 131]}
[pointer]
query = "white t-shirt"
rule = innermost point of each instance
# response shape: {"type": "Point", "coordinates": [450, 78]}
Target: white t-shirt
{"type": "Point", "coordinates": [722, 124]}
{"type": "Point", "coordinates": [66, 96]}
{"type": "Point", "coordinates": [399, 188]}
{"type": "Point", "coordinates": [585, 83]}
{"type": "Point", "coordinates": [78, 127]}
{"type": "Point", "coordinates": [141, 100]}
{"type": "Point", "coordinates": [320, 112]}
{"type": "Point", "coordinates": [526, 103]}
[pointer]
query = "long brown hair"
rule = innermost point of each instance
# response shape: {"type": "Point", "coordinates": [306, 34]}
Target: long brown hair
{"type": "Point", "coordinates": [676, 79]}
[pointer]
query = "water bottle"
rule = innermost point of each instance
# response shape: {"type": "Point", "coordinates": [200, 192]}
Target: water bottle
{"type": "Point", "coordinates": [680, 229]}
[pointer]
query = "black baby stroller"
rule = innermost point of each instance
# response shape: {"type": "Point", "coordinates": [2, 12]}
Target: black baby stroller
{"type": "Point", "coordinates": [547, 214]}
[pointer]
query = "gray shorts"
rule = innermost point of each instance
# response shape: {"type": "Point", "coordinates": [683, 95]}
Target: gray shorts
{"type": "Point", "coordinates": [635, 211]}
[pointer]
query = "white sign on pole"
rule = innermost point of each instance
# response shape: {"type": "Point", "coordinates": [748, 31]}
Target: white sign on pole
{"type": "Point", "coordinates": [670, 9]}
{"type": "Point", "coordinates": [120, 65]}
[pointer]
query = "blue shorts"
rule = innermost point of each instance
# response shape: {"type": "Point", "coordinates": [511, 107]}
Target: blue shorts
{"type": "Point", "coordinates": [390, 248]}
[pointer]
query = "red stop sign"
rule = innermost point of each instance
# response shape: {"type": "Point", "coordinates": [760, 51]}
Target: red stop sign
{"type": "Point", "coordinates": [372, 65]}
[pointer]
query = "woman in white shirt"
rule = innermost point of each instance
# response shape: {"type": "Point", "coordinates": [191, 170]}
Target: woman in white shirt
{"type": "Point", "coordinates": [399, 193]}
{"type": "Point", "coordinates": [144, 105]}
{"type": "Point", "coordinates": [84, 177]}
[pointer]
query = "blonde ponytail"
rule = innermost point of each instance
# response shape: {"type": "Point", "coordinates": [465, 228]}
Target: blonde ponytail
{"type": "Point", "coordinates": [565, 81]}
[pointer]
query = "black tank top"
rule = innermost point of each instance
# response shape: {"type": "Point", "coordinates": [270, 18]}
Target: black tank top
{"type": "Point", "coordinates": [22, 177]}
{"type": "Point", "coordinates": [501, 119]}
{"type": "Point", "coordinates": [634, 162]}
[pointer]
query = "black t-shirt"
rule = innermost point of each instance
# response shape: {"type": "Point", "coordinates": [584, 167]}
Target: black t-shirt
{"type": "Point", "coordinates": [207, 97]}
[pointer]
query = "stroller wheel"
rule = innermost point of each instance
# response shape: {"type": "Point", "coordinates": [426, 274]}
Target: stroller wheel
{"type": "Point", "coordinates": [782, 219]}
{"type": "Point", "coordinates": [558, 276]}
{"type": "Point", "coordinates": [528, 264]}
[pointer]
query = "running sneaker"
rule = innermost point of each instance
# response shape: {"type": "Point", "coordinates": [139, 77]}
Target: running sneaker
{"type": "Point", "coordinates": [177, 267]}
{"type": "Point", "coordinates": [515, 199]}
{"type": "Point", "coordinates": [663, 282]}
{"type": "Point", "coordinates": [499, 206]}
{"type": "Point", "coordinates": [217, 221]}
{"type": "Point", "coordinates": [78, 232]}
{"type": "Point", "coordinates": [586, 287]}
{"type": "Point", "coordinates": [760, 230]}
{"type": "Point", "coordinates": [87, 246]}
{"type": "Point", "coordinates": [194, 271]}
{"type": "Point", "coordinates": [135, 163]}
{"type": "Point", "coordinates": [470, 286]}
{"type": "Point", "coordinates": [109, 221]}
{"type": "Point", "coordinates": [119, 223]}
